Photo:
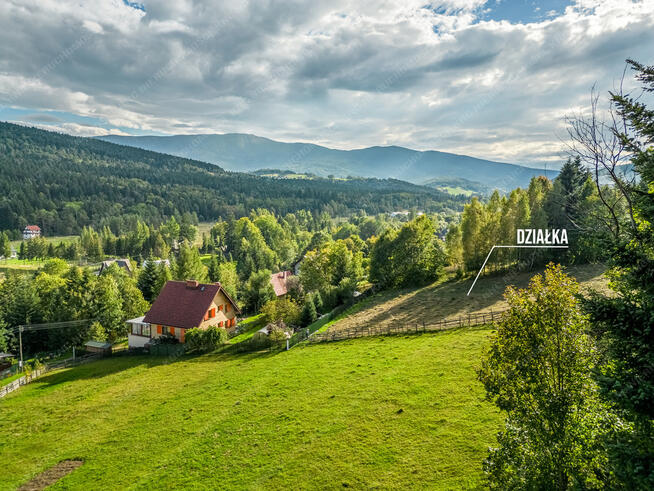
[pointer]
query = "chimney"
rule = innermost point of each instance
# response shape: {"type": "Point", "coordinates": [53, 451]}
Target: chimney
{"type": "Point", "coordinates": [218, 284]}
{"type": "Point", "coordinates": [192, 283]}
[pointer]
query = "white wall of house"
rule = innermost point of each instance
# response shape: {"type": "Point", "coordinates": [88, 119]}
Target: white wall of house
{"type": "Point", "coordinates": [136, 341]}
{"type": "Point", "coordinates": [139, 333]}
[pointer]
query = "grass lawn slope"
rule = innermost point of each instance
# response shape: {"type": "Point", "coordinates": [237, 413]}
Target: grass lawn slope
{"type": "Point", "coordinates": [372, 412]}
{"type": "Point", "coordinates": [448, 300]}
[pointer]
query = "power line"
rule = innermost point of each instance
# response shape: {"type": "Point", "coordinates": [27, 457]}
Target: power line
{"type": "Point", "coordinates": [51, 325]}
{"type": "Point", "coordinates": [44, 327]}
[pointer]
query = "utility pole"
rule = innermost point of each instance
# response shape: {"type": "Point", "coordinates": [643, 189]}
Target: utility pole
{"type": "Point", "coordinates": [20, 341]}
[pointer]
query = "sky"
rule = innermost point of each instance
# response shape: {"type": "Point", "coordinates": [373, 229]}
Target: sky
{"type": "Point", "coordinates": [492, 79]}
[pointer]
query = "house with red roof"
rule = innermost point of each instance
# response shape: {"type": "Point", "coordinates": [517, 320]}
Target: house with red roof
{"type": "Point", "coordinates": [278, 282]}
{"type": "Point", "coordinates": [31, 231]}
{"type": "Point", "coordinates": [183, 305]}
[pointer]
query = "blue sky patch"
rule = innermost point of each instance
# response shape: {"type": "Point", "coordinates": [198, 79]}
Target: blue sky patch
{"type": "Point", "coordinates": [135, 5]}
{"type": "Point", "coordinates": [523, 11]}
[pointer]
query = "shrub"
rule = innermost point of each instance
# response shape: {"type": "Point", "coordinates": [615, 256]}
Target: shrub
{"type": "Point", "coordinates": [167, 339]}
{"type": "Point", "coordinates": [194, 339]}
{"type": "Point", "coordinates": [207, 339]}
{"type": "Point", "coordinates": [277, 336]}
{"type": "Point", "coordinates": [214, 337]}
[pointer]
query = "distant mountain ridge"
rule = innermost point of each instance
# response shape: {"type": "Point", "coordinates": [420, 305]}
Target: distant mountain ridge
{"type": "Point", "coordinates": [63, 183]}
{"type": "Point", "coordinates": [247, 153]}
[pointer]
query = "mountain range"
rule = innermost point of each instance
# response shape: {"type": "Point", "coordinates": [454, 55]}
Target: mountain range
{"type": "Point", "coordinates": [63, 183]}
{"type": "Point", "coordinates": [247, 153]}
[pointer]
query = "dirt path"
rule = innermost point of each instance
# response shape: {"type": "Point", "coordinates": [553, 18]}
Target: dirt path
{"type": "Point", "coordinates": [51, 475]}
{"type": "Point", "coordinates": [449, 301]}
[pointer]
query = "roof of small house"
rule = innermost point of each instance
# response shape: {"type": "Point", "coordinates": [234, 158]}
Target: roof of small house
{"type": "Point", "coordinates": [184, 303]}
{"type": "Point", "coordinates": [33, 228]}
{"type": "Point", "coordinates": [278, 282]}
{"type": "Point", "coordinates": [122, 263]}
{"type": "Point", "coordinates": [137, 320]}
{"type": "Point", "coordinates": [156, 262]}
{"type": "Point", "coordinates": [97, 344]}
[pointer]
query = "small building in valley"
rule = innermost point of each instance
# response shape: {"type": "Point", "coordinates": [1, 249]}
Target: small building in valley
{"type": "Point", "coordinates": [121, 263]}
{"type": "Point", "coordinates": [31, 231]}
{"type": "Point", "coordinates": [278, 282]}
{"type": "Point", "coordinates": [183, 305]}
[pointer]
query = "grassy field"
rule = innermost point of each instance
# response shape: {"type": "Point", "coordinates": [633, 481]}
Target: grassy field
{"type": "Point", "coordinates": [448, 300]}
{"type": "Point", "coordinates": [55, 239]}
{"type": "Point", "coordinates": [20, 264]}
{"type": "Point", "coordinates": [366, 413]}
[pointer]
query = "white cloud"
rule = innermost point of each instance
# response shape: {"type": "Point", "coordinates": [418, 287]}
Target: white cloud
{"type": "Point", "coordinates": [343, 73]}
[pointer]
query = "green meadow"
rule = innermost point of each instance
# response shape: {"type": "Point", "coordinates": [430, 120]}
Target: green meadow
{"type": "Point", "coordinates": [378, 412]}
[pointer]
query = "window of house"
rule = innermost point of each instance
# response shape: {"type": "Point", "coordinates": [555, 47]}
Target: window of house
{"type": "Point", "coordinates": [145, 330]}
{"type": "Point", "coordinates": [136, 329]}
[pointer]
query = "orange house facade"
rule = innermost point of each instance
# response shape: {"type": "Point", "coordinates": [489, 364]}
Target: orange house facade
{"type": "Point", "coordinates": [181, 306]}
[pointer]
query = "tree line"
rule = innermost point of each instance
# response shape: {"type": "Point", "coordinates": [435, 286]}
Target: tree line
{"type": "Point", "coordinates": [570, 202]}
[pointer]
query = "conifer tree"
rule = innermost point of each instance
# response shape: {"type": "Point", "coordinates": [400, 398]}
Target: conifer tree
{"type": "Point", "coordinates": [164, 275]}
{"type": "Point", "coordinates": [188, 265]}
{"type": "Point", "coordinates": [5, 245]}
{"type": "Point", "coordinates": [147, 279]}
{"type": "Point", "coordinates": [309, 314]}
{"type": "Point", "coordinates": [624, 323]}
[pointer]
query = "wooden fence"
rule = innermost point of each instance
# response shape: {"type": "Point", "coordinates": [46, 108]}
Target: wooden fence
{"type": "Point", "coordinates": [27, 378]}
{"type": "Point", "coordinates": [469, 320]}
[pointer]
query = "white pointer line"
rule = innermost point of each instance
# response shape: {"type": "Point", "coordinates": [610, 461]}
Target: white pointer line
{"type": "Point", "coordinates": [511, 247]}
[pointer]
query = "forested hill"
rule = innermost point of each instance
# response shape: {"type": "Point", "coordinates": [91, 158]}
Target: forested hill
{"type": "Point", "coordinates": [243, 152]}
{"type": "Point", "coordinates": [63, 183]}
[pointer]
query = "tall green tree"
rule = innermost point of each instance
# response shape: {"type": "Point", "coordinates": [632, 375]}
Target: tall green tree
{"type": "Point", "coordinates": [164, 275]}
{"type": "Point", "coordinates": [309, 313]}
{"type": "Point", "coordinates": [213, 268]}
{"type": "Point", "coordinates": [411, 256]}
{"type": "Point", "coordinates": [106, 303]}
{"type": "Point", "coordinates": [147, 279]}
{"type": "Point", "coordinates": [228, 278]}
{"type": "Point", "coordinates": [258, 290]}
{"type": "Point", "coordinates": [624, 323]}
{"type": "Point", "coordinates": [472, 223]}
{"type": "Point", "coordinates": [454, 245]}
{"type": "Point", "coordinates": [188, 265]}
{"type": "Point", "coordinates": [5, 245]}
{"type": "Point", "coordinates": [538, 370]}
